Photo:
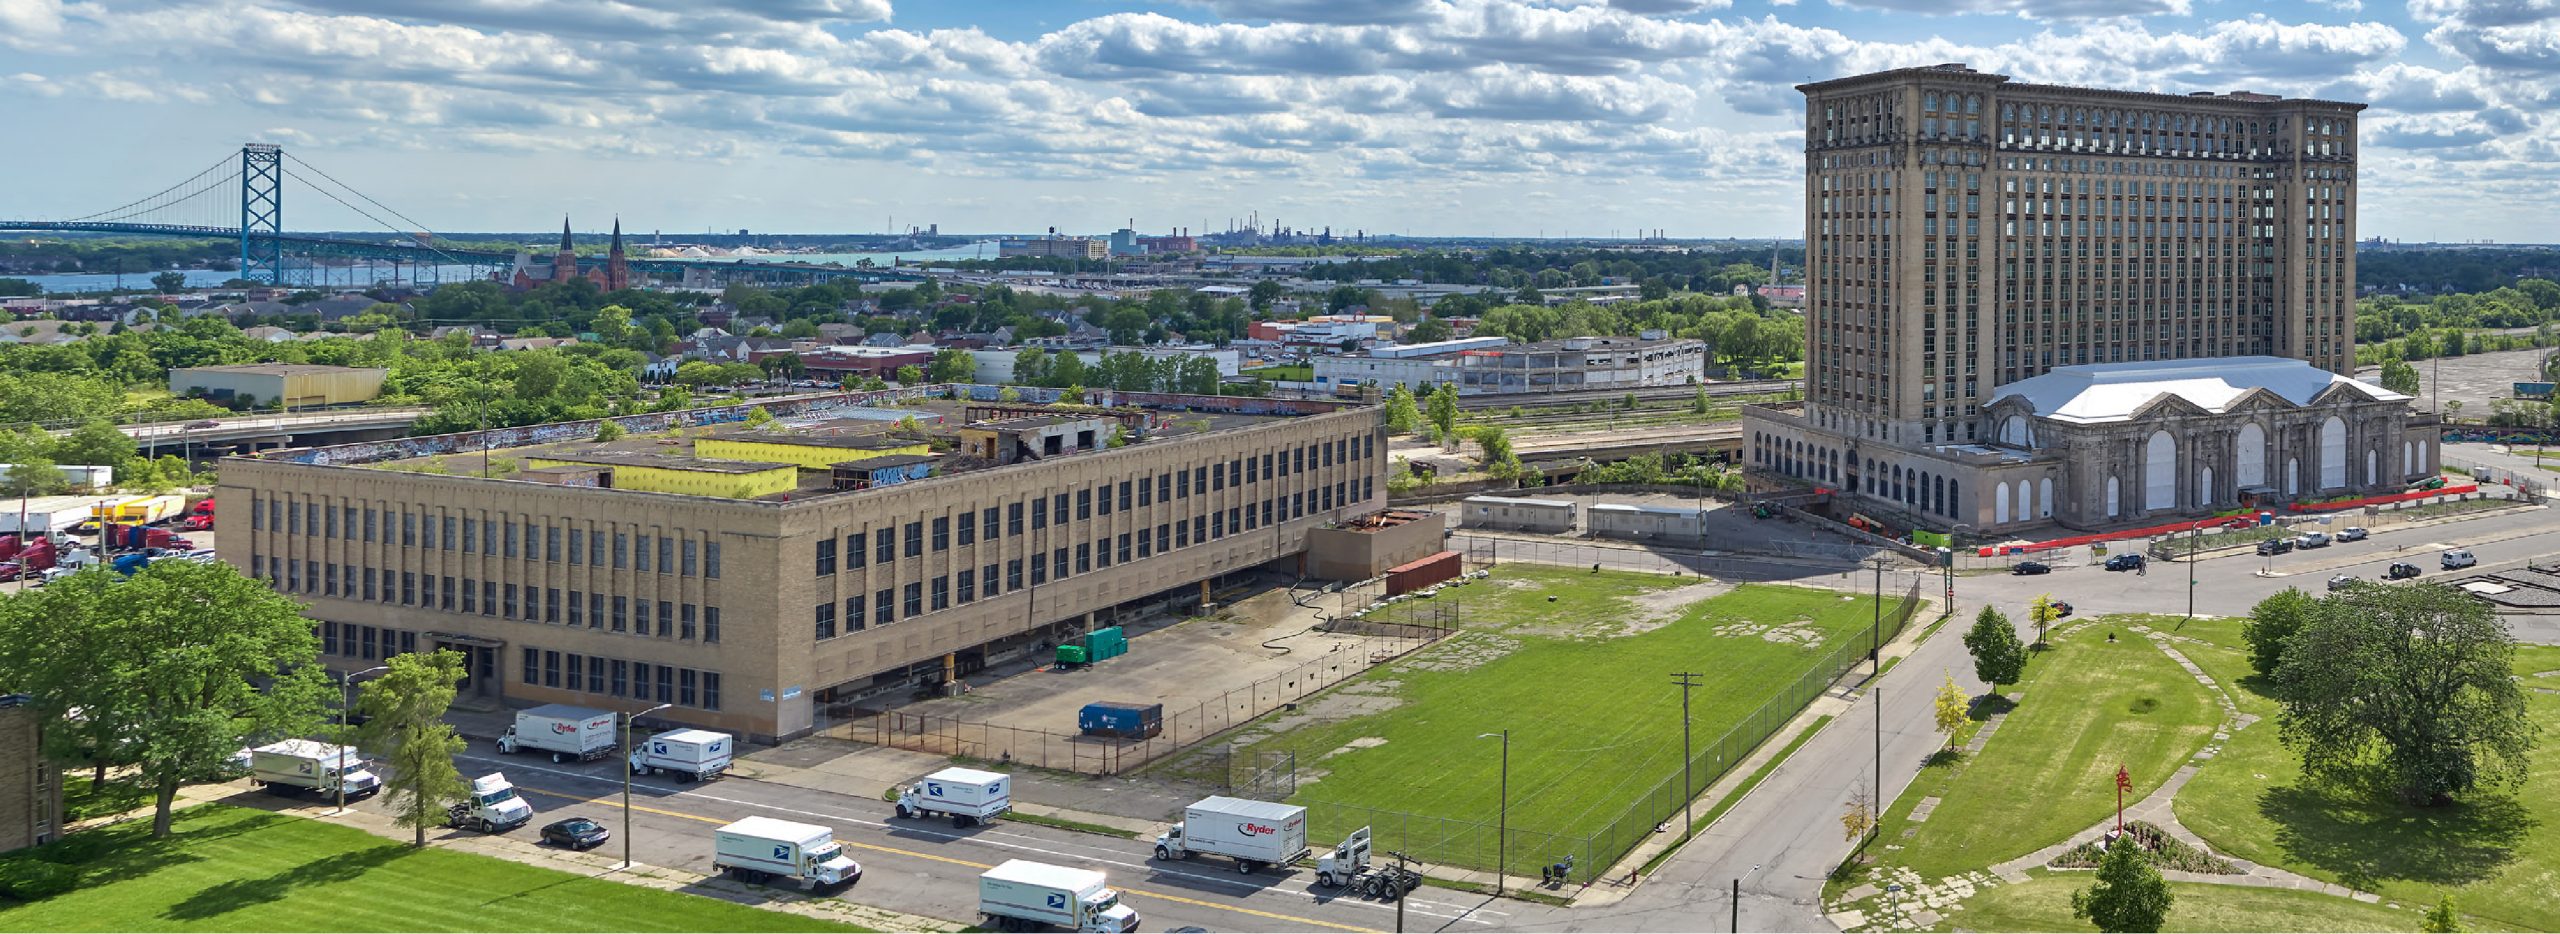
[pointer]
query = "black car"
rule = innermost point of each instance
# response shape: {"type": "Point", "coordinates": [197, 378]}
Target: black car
{"type": "Point", "coordinates": [2402, 571]}
{"type": "Point", "coordinates": [2061, 608]}
{"type": "Point", "coordinates": [2031, 567]}
{"type": "Point", "coordinates": [576, 833]}
{"type": "Point", "coordinates": [2276, 546]}
{"type": "Point", "coordinates": [2129, 561]}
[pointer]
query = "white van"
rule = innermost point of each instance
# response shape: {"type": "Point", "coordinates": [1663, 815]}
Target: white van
{"type": "Point", "coordinates": [2458, 558]}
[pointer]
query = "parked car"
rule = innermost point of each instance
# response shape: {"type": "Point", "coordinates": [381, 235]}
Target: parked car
{"type": "Point", "coordinates": [576, 833]}
{"type": "Point", "coordinates": [2061, 608]}
{"type": "Point", "coordinates": [2309, 540]}
{"type": "Point", "coordinates": [2129, 561]}
{"type": "Point", "coordinates": [2458, 558]}
{"type": "Point", "coordinates": [2353, 533]}
{"type": "Point", "coordinates": [2031, 567]}
{"type": "Point", "coordinates": [2344, 581]}
{"type": "Point", "coordinates": [2401, 570]}
{"type": "Point", "coordinates": [2276, 546]}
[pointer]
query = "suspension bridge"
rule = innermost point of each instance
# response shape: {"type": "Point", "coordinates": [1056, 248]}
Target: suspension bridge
{"type": "Point", "coordinates": [204, 206]}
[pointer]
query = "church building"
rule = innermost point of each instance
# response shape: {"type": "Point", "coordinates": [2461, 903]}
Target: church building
{"type": "Point", "coordinates": [611, 275]}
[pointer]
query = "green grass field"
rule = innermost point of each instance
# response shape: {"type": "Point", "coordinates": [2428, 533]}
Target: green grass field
{"type": "Point", "coordinates": [237, 869]}
{"type": "Point", "coordinates": [2044, 904]}
{"type": "Point", "coordinates": [1583, 684]}
{"type": "Point", "coordinates": [2496, 852]}
{"type": "Point", "coordinates": [2085, 707]}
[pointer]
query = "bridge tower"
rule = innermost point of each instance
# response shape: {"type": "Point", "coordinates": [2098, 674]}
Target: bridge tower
{"type": "Point", "coordinates": [262, 213]}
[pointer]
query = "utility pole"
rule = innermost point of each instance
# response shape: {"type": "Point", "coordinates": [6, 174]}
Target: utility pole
{"type": "Point", "coordinates": [1875, 629]}
{"type": "Point", "coordinates": [1876, 804]}
{"type": "Point", "coordinates": [1502, 827]}
{"type": "Point", "coordinates": [1400, 859]}
{"type": "Point", "coordinates": [1688, 792]}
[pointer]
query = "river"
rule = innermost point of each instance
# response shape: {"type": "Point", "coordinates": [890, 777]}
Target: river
{"type": "Point", "coordinates": [210, 278]}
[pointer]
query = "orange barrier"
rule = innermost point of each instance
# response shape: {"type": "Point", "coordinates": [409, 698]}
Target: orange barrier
{"type": "Point", "coordinates": [2174, 527]}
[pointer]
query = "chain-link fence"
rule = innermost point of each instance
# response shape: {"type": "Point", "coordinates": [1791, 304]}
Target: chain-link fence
{"type": "Point", "coordinates": [1485, 551]}
{"type": "Point", "coordinates": [1181, 725]}
{"type": "Point", "coordinates": [1486, 842]}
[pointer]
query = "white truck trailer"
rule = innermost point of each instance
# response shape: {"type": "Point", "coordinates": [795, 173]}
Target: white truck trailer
{"type": "Point", "coordinates": [967, 796]}
{"type": "Point", "coordinates": [48, 514]}
{"type": "Point", "coordinates": [295, 766]}
{"type": "Point", "coordinates": [492, 807]}
{"type": "Point", "coordinates": [757, 849]}
{"type": "Point", "coordinates": [563, 731]}
{"type": "Point", "coordinates": [1253, 833]}
{"type": "Point", "coordinates": [689, 755]}
{"type": "Point", "coordinates": [1022, 895]}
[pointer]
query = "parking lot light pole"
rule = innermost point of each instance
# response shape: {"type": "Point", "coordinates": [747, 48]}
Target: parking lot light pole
{"type": "Point", "coordinates": [346, 699]}
{"type": "Point", "coordinates": [626, 779]}
{"type": "Point", "coordinates": [1502, 825]}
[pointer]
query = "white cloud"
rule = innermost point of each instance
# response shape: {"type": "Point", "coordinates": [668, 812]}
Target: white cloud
{"type": "Point", "coordinates": [2031, 9]}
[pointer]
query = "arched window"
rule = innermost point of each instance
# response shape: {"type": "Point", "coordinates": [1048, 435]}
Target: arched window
{"type": "Point", "coordinates": [2249, 456]}
{"type": "Point", "coordinates": [2026, 500]}
{"type": "Point", "coordinates": [2160, 472]}
{"type": "Point", "coordinates": [2044, 497]}
{"type": "Point", "coordinates": [2000, 504]}
{"type": "Point", "coordinates": [2333, 453]}
{"type": "Point", "coordinates": [2113, 506]}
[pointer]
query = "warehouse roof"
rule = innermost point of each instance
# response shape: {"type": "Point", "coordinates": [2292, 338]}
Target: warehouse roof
{"type": "Point", "coordinates": [283, 369]}
{"type": "Point", "coordinates": [654, 459]}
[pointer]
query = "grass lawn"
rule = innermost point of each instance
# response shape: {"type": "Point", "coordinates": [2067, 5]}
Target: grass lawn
{"type": "Point", "coordinates": [82, 800]}
{"type": "Point", "coordinates": [239, 869]}
{"type": "Point", "coordinates": [2497, 853]}
{"type": "Point", "coordinates": [2044, 904]}
{"type": "Point", "coordinates": [2086, 706]}
{"type": "Point", "coordinates": [1284, 373]}
{"type": "Point", "coordinates": [1583, 685]}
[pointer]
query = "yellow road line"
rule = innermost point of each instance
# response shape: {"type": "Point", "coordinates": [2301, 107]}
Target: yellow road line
{"type": "Point", "coordinates": [616, 801]}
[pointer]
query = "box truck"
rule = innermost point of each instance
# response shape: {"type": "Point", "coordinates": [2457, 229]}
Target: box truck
{"type": "Point", "coordinates": [689, 755]}
{"type": "Point", "coordinates": [967, 796]}
{"type": "Point", "coordinates": [143, 510]}
{"type": "Point", "coordinates": [756, 849]}
{"type": "Point", "coordinates": [563, 731]}
{"type": "Point", "coordinates": [1024, 895]}
{"type": "Point", "coordinates": [295, 766]}
{"type": "Point", "coordinates": [492, 806]}
{"type": "Point", "coordinates": [1253, 833]}
{"type": "Point", "coordinates": [49, 513]}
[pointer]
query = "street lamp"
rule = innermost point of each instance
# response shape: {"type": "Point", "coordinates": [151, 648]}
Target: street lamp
{"type": "Point", "coordinates": [346, 699]}
{"type": "Point", "coordinates": [1502, 826]}
{"type": "Point", "coordinates": [1875, 629]}
{"type": "Point", "coordinates": [626, 779]}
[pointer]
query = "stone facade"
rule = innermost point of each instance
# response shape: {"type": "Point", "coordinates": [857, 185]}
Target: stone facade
{"type": "Point", "coordinates": [30, 787]}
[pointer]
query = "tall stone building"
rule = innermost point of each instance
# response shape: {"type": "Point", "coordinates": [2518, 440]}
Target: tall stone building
{"type": "Point", "coordinates": [1965, 232]}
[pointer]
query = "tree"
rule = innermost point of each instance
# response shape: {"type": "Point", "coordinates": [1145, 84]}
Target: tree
{"type": "Point", "coordinates": [2042, 613]}
{"type": "Point", "coordinates": [608, 431]}
{"type": "Point", "coordinates": [35, 475]}
{"type": "Point", "coordinates": [1952, 709]}
{"type": "Point", "coordinates": [2418, 677]}
{"type": "Point", "coordinates": [1498, 457]}
{"type": "Point", "coordinates": [1429, 330]}
{"type": "Point", "coordinates": [2271, 623]}
{"type": "Point", "coordinates": [757, 417]}
{"type": "Point", "coordinates": [2442, 919]}
{"type": "Point", "coordinates": [1998, 658]}
{"type": "Point", "coordinates": [179, 665]}
{"type": "Point", "coordinates": [1857, 819]}
{"type": "Point", "coordinates": [1442, 408]}
{"type": "Point", "coordinates": [2398, 376]}
{"type": "Point", "coordinates": [404, 710]}
{"type": "Point", "coordinates": [2128, 896]}
{"type": "Point", "coordinates": [96, 443]}
{"type": "Point", "coordinates": [952, 365]}
{"type": "Point", "coordinates": [1262, 294]}
{"type": "Point", "coordinates": [168, 282]}
{"type": "Point", "coordinates": [910, 375]}
{"type": "Point", "coordinates": [1402, 414]}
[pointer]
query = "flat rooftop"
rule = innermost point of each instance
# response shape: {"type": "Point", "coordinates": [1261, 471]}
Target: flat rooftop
{"type": "Point", "coordinates": [281, 369]}
{"type": "Point", "coordinates": [823, 423]}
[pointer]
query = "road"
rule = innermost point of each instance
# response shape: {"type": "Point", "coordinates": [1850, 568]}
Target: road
{"type": "Point", "coordinates": [930, 868]}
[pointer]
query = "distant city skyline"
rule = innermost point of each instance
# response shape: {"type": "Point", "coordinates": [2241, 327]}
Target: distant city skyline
{"type": "Point", "coordinates": [1421, 117]}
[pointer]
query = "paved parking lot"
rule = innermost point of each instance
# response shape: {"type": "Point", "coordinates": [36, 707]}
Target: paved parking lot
{"type": "Point", "coordinates": [2475, 380]}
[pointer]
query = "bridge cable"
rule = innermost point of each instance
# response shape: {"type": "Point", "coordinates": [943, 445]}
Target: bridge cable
{"type": "Point", "coordinates": [152, 202]}
{"type": "Point", "coordinates": [413, 223]}
{"type": "Point", "coordinates": [449, 258]}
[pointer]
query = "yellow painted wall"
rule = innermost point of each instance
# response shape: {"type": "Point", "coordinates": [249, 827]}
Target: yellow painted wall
{"type": "Point", "coordinates": [780, 451]}
{"type": "Point", "coordinates": [690, 482]}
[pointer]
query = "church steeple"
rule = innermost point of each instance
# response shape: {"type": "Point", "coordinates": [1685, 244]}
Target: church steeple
{"type": "Point", "coordinates": [564, 235]}
{"type": "Point", "coordinates": [617, 236]}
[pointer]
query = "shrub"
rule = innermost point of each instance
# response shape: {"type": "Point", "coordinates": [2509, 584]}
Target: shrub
{"type": "Point", "coordinates": [27, 879]}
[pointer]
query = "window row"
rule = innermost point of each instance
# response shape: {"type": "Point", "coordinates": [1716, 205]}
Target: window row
{"type": "Point", "coordinates": [502, 538]}
{"type": "Point", "coordinates": [889, 604]}
{"type": "Point", "coordinates": [614, 677]}
{"type": "Point", "coordinates": [917, 538]}
{"type": "Point", "coordinates": [524, 603]}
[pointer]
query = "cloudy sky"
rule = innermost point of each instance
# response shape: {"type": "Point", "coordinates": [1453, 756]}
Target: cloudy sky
{"type": "Point", "coordinates": [1516, 117]}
